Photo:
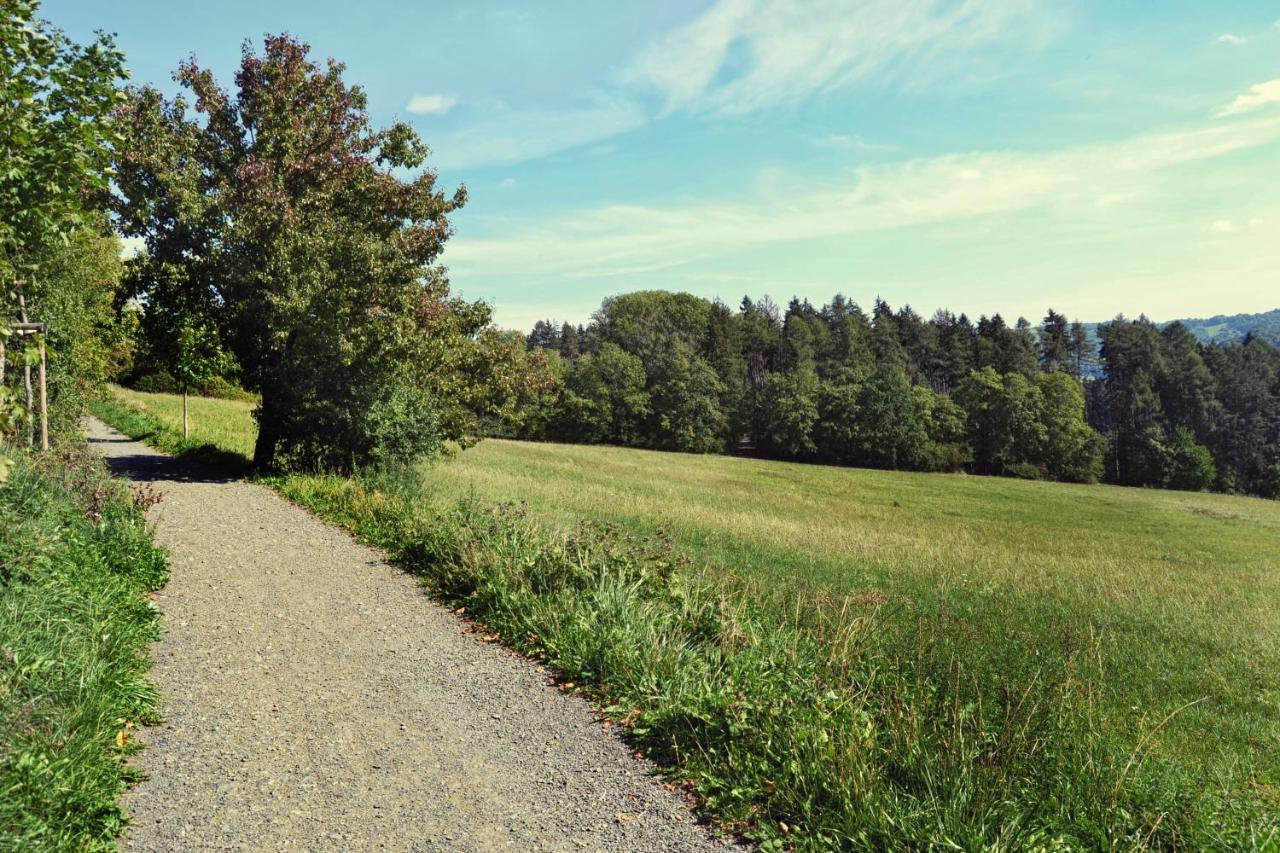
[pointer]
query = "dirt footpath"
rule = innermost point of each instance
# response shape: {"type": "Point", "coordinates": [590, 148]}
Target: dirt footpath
{"type": "Point", "coordinates": [314, 699]}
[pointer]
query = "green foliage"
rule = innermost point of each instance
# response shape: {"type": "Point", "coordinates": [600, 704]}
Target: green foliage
{"type": "Point", "coordinates": [56, 102]}
{"type": "Point", "coordinates": [277, 226]}
{"type": "Point", "coordinates": [1072, 450]}
{"type": "Point", "coordinates": [944, 394]}
{"type": "Point", "coordinates": [604, 398]}
{"type": "Point", "coordinates": [686, 396]}
{"type": "Point", "coordinates": [75, 565]}
{"type": "Point", "coordinates": [787, 409]}
{"type": "Point", "coordinates": [75, 295]}
{"type": "Point", "coordinates": [512, 387]}
{"type": "Point", "coordinates": [891, 433]}
{"type": "Point", "coordinates": [1191, 464]}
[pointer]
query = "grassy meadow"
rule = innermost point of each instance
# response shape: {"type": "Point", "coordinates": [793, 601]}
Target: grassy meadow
{"type": "Point", "coordinates": [1037, 664]}
{"type": "Point", "coordinates": [225, 424]}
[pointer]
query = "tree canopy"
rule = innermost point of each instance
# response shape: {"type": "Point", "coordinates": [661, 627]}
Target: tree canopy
{"type": "Point", "coordinates": [891, 389]}
{"type": "Point", "coordinates": [277, 218]}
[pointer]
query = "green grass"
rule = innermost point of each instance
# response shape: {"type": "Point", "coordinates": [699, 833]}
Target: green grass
{"type": "Point", "coordinates": [1182, 586]}
{"type": "Point", "coordinates": [222, 431]}
{"type": "Point", "coordinates": [75, 566]}
{"type": "Point", "coordinates": [879, 658]}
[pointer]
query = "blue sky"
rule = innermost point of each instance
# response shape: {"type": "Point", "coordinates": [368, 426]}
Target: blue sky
{"type": "Point", "coordinates": [983, 155]}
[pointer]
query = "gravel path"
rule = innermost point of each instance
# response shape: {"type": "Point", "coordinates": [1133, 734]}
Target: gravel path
{"type": "Point", "coordinates": [314, 699]}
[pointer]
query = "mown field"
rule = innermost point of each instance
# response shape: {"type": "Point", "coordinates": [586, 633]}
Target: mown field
{"type": "Point", "coordinates": [1149, 617]}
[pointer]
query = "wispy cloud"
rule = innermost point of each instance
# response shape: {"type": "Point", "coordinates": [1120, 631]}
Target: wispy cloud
{"type": "Point", "coordinates": [744, 55]}
{"type": "Point", "coordinates": [1227, 226]}
{"type": "Point", "coordinates": [1258, 96]}
{"type": "Point", "coordinates": [846, 142]}
{"type": "Point", "coordinates": [498, 135]}
{"type": "Point", "coordinates": [1232, 39]}
{"type": "Point", "coordinates": [431, 105]}
{"type": "Point", "coordinates": [1080, 183]}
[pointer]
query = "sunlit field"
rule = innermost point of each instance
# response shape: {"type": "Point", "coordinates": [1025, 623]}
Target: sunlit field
{"type": "Point", "coordinates": [1170, 595]}
{"type": "Point", "coordinates": [226, 424]}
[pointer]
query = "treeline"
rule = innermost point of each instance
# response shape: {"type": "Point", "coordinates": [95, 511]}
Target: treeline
{"type": "Point", "coordinates": [1150, 406]}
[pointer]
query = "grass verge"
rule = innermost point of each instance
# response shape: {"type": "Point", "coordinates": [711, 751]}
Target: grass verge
{"type": "Point", "coordinates": [921, 680]}
{"type": "Point", "coordinates": [76, 563]}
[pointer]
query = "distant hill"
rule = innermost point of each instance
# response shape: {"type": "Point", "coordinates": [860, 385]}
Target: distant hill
{"type": "Point", "coordinates": [1222, 329]}
{"type": "Point", "coordinates": [1225, 329]}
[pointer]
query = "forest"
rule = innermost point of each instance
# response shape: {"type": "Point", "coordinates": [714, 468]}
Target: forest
{"type": "Point", "coordinates": [1146, 405]}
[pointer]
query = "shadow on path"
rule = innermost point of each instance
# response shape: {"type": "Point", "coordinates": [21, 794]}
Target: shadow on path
{"type": "Point", "coordinates": [157, 468]}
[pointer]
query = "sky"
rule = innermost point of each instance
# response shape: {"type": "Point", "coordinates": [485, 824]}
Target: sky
{"type": "Point", "coordinates": [1117, 156]}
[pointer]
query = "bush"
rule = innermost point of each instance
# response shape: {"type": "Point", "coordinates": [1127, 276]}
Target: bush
{"type": "Point", "coordinates": [225, 389]}
{"type": "Point", "coordinates": [368, 424]}
{"type": "Point", "coordinates": [156, 382]}
{"type": "Point", "coordinates": [75, 564]}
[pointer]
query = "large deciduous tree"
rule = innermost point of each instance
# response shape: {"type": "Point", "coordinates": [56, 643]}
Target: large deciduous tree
{"type": "Point", "coordinates": [279, 213]}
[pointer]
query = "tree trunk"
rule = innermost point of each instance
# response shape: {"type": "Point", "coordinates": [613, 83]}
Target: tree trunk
{"type": "Point", "coordinates": [186, 432]}
{"type": "Point", "coordinates": [264, 449]}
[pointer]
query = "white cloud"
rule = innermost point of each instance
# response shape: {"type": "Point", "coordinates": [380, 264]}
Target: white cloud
{"type": "Point", "coordinates": [1232, 39]}
{"type": "Point", "coordinates": [1227, 226]}
{"type": "Point", "coordinates": [1258, 96]}
{"type": "Point", "coordinates": [500, 135]}
{"type": "Point", "coordinates": [1084, 184]}
{"type": "Point", "coordinates": [743, 55]}
{"type": "Point", "coordinates": [431, 105]}
{"type": "Point", "coordinates": [507, 183]}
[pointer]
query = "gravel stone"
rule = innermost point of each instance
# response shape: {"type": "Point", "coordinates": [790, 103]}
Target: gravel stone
{"type": "Point", "coordinates": [315, 699]}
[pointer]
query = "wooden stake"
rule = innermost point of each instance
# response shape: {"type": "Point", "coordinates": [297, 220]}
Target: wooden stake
{"type": "Point", "coordinates": [185, 432]}
{"type": "Point", "coordinates": [1, 381]}
{"type": "Point", "coordinates": [26, 379]}
{"type": "Point", "coordinates": [44, 403]}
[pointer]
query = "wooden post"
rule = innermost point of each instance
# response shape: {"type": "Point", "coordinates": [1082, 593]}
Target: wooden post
{"type": "Point", "coordinates": [185, 432]}
{"type": "Point", "coordinates": [1, 381]}
{"type": "Point", "coordinates": [44, 402]}
{"type": "Point", "coordinates": [26, 378]}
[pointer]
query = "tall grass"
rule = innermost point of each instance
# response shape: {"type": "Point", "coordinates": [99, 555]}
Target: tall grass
{"type": "Point", "coordinates": [804, 727]}
{"type": "Point", "coordinates": [75, 566]}
{"type": "Point", "coordinates": [836, 658]}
